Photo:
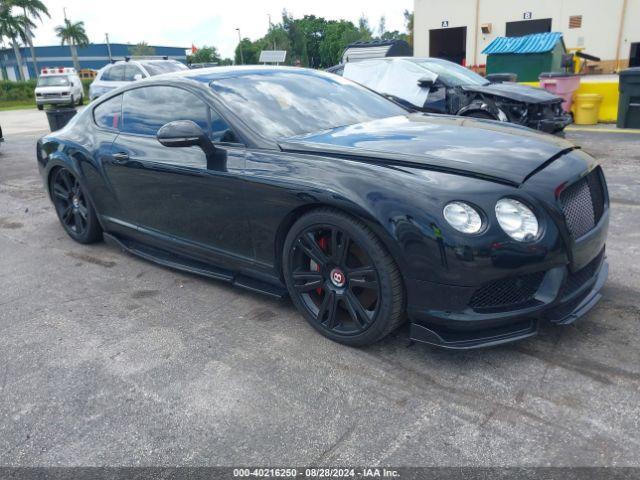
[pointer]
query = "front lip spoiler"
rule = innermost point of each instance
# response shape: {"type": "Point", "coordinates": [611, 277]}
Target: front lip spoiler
{"type": "Point", "coordinates": [518, 330]}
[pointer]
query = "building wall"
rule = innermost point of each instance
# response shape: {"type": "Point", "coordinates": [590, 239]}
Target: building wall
{"type": "Point", "coordinates": [598, 33]}
{"type": "Point", "coordinates": [95, 56]}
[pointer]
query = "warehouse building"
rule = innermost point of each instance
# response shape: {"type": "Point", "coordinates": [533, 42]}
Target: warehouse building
{"type": "Point", "coordinates": [93, 56]}
{"type": "Point", "coordinates": [460, 30]}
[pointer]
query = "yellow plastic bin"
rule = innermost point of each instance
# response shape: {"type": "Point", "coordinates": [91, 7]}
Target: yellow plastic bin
{"type": "Point", "coordinates": [586, 108]}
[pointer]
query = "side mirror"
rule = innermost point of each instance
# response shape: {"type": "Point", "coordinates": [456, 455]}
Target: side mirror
{"type": "Point", "coordinates": [185, 133]}
{"type": "Point", "coordinates": [137, 76]}
{"type": "Point", "coordinates": [425, 82]}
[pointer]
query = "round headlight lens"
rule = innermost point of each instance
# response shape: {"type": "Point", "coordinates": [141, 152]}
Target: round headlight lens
{"type": "Point", "coordinates": [517, 220]}
{"type": "Point", "coordinates": [463, 217]}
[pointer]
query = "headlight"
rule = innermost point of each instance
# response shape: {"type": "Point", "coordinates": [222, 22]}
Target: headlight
{"type": "Point", "coordinates": [517, 220]}
{"type": "Point", "coordinates": [463, 217]}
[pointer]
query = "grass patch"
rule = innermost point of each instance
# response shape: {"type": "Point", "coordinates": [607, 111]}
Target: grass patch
{"type": "Point", "coordinates": [17, 105]}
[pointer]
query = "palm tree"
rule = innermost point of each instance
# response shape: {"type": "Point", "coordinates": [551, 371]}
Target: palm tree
{"type": "Point", "coordinates": [31, 9]}
{"type": "Point", "coordinates": [13, 28]}
{"type": "Point", "coordinates": [75, 36]}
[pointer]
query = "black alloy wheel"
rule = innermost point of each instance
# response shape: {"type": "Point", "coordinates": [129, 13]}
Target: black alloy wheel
{"type": "Point", "coordinates": [73, 208]}
{"type": "Point", "coordinates": [342, 279]}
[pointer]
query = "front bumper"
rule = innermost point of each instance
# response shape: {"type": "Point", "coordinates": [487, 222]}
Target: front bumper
{"type": "Point", "coordinates": [511, 327]}
{"type": "Point", "coordinates": [66, 100]}
{"type": "Point", "coordinates": [551, 125]}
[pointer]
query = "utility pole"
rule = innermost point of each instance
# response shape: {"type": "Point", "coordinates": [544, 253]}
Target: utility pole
{"type": "Point", "coordinates": [240, 46]}
{"type": "Point", "coordinates": [106, 36]}
{"type": "Point", "coordinates": [271, 25]}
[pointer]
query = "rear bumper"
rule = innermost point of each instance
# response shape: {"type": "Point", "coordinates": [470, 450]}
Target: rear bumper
{"type": "Point", "coordinates": [468, 330]}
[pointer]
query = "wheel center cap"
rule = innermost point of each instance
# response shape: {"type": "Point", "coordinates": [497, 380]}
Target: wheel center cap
{"type": "Point", "coordinates": [76, 202]}
{"type": "Point", "coordinates": [337, 277]}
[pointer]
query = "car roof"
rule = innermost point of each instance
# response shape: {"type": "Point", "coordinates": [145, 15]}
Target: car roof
{"type": "Point", "coordinates": [207, 75]}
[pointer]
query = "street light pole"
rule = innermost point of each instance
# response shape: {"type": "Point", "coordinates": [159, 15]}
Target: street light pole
{"type": "Point", "coordinates": [240, 47]}
{"type": "Point", "coordinates": [106, 36]}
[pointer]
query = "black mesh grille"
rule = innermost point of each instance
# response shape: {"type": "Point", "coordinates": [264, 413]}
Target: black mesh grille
{"type": "Point", "coordinates": [507, 293]}
{"type": "Point", "coordinates": [583, 204]}
{"type": "Point", "coordinates": [582, 276]}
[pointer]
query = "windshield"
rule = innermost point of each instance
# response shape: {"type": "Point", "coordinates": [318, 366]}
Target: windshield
{"type": "Point", "coordinates": [53, 81]}
{"type": "Point", "coordinates": [160, 67]}
{"type": "Point", "coordinates": [451, 74]}
{"type": "Point", "coordinates": [285, 103]}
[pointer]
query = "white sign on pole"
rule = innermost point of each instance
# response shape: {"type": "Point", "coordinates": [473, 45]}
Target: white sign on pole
{"type": "Point", "coordinates": [272, 56]}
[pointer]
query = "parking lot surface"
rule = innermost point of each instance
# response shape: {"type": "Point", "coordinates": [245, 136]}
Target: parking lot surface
{"type": "Point", "coordinates": [107, 359]}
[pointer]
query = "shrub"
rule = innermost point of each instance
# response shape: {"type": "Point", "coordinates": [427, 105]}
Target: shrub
{"type": "Point", "coordinates": [17, 91]}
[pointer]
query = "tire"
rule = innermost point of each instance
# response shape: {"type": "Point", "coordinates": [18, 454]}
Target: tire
{"type": "Point", "coordinates": [73, 102]}
{"type": "Point", "coordinates": [74, 210]}
{"type": "Point", "coordinates": [81, 101]}
{"type": "Point", "coordinates": [484, 115]}
{"type": "Point", "coordinates": [342, 279]}
{"type": "Point", "coordinates": [40, 107]}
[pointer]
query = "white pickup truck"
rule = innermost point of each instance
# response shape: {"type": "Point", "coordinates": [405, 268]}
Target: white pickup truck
{"type": "Point", "coordinates": [59, 86]}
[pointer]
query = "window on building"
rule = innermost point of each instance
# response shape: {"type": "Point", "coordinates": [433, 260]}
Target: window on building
{"type": "Point", "coordinates": [575, 21]}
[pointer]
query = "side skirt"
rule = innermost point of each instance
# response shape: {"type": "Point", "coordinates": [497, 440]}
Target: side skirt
{"type": "Point", "coordinates": [168, 259]}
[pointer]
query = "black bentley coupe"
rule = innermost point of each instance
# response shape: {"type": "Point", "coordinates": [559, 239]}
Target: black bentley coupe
{"type": "Point", "coordinates": [292, 181]}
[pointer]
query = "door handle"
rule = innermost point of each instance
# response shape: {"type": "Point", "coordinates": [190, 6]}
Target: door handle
{"type": "Point", "coordinates": [120, 157]}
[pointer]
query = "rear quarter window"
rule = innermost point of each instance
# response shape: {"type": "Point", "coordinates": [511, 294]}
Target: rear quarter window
{"type": "Point", "coordinates": [109, 114]}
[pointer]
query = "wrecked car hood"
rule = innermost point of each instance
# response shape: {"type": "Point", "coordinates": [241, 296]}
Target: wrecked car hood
{"type": "Point", "coordinates": [514, 91]}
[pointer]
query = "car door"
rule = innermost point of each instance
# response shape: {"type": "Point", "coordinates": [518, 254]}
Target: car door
{"type": "Point", "coordinates": [169, 193]}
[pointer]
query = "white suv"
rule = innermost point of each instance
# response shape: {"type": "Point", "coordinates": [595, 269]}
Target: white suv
{"type": "Point", "coordinates": [122, 72]}
{"type": "Point", "coordinates": [59, 86]}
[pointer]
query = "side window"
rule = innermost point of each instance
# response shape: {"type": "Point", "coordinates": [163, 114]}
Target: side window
{"type": "Point", "coordinates": [130, 73]}
{"type": "Point", "coordinates": [146, 109]}
{"type": "Point", "coordinates": [109, 114]}
{"type": "Point", "coordinates": [114, 74]}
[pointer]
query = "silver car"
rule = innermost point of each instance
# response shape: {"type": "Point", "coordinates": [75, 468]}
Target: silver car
{"type": "Point", "coordinates": [125, 71]}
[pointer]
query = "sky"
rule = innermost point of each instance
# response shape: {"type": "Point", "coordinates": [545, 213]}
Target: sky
{"type": "Point", "coordinates": [200, 22]}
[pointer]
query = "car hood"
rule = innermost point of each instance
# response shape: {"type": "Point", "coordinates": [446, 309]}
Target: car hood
{"type": "Point", "coordinates": [463, 145]}
{"type": "Point", "coordinates": [513, 91]}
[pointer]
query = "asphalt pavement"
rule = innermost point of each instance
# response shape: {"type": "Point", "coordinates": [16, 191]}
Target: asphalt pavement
{"type": "Point", "coordinates": [106, 359]}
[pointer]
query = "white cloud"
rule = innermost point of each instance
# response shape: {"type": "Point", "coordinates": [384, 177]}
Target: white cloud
{"type": "Point", "coordinates": [204, 22]}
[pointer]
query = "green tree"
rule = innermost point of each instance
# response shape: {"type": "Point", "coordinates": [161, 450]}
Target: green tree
{"type": "Point", "coordinates": [250, 51]}
{"type": "Point", "coordinates": [75, 36]}
{"type": "Point", "coordinates": [382, 26]}
{"type": "Point", "coordinates": [205, 55]}
{"type": "Point", "coordinates": [12, 27]}
{"type": "Point", "coordinates": [408, 22]}
{"type": "Point", "coordinates": [366, 33]}
{"type": "Point", "coordinates": [142, 49]}
{"type": "Point", "coordinates": [31, 9]}
{"type": "Point", "coordinates": [338, 35]}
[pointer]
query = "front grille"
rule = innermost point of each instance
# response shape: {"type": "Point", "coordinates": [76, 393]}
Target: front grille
{"type": "Point", "coordinates": [507, 294]}
{"type": "Point", "coordinates": [583, 203]}
{"type": "Point", "coordinates": [582, 276]}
